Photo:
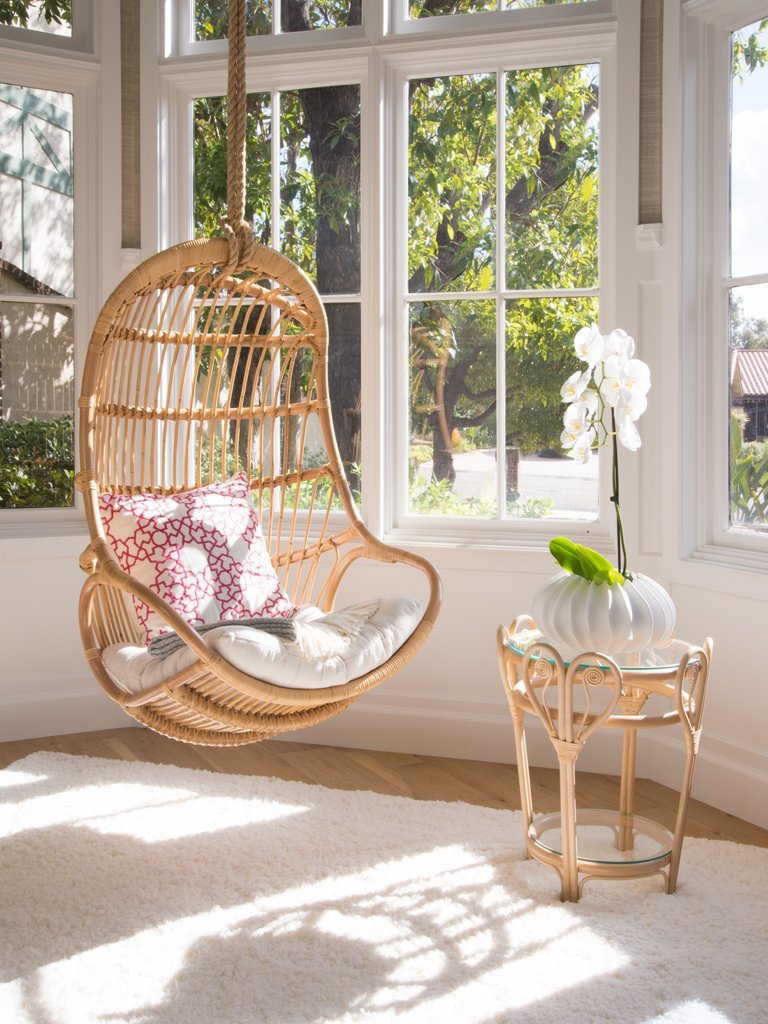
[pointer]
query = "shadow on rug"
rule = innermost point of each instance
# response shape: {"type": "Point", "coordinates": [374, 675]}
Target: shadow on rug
{"type": "Point", "coordinates": [149, 894]}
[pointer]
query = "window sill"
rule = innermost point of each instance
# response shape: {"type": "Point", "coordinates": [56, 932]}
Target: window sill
{"type": "Point", "coordinates": [479, 534]}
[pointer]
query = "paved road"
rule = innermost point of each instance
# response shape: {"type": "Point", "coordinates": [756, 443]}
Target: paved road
{"type": "Point", "coordinates": [571, 485]}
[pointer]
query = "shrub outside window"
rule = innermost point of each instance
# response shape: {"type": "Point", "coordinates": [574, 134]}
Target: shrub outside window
{"type": "Point", "coordinates": [36, 292]}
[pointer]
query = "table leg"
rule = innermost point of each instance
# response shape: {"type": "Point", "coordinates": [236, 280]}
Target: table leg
{"type": "Point", "coordinates": [570, 873]}
{"type": "Point", "coordinates": [691, 745]}
{"type": "Point", "coordinates": [523, 771]}
{"type": "Point", "coordinates": [626, 837]}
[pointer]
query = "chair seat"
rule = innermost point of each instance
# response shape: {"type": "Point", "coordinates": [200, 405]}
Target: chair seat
{"type": "Point", "coordinates": [274, 660]}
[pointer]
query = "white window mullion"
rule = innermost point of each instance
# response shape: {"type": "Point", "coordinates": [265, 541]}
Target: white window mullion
{"type": "Point", "coordinates": [506, 293]}
{"type": "Point", "coordinates": [276, 232]}
{"type": "Point", "coordinates": [397, 470]}
{"type": "Point", "coordinates": [501, 281]}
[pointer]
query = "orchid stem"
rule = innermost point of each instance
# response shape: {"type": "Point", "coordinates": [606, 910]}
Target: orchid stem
{"type": "Point", "coordinates": [622, 549]}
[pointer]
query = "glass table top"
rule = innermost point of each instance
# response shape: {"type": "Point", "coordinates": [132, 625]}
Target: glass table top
{"type": "Point", "coordinates": [652, 659]}
{"type": "Point", "coordinates": [600, 835]}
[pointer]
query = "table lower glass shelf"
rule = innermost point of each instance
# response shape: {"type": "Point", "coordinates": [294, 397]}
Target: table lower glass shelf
{"type": "Point", "coordinates": [601, 833]}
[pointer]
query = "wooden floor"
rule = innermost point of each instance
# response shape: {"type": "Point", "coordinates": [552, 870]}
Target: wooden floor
{"type": "Point", "coordinates": [418, 776]}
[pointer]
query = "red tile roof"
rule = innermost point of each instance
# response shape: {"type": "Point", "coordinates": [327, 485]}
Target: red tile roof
{"type": "Point", "coordinates": [749, 372]}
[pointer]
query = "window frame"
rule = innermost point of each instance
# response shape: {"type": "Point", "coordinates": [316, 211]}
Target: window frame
{"type": "Point", "coordinates": [79, 76]}
{"type": "Point", "coordinates": [462, 56]}
{"type": "Point", "coordinates": [380, 59]}
{"type": "Point", "coordinates": [179, 24]}
{"type": "Point", "coordinates": [81, 41]}
{"type": "Point", "coordinates": [487, 21]}
{"type": "Point", "coordinates": [707, 534]}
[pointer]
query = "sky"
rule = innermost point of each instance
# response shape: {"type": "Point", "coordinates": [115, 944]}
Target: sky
{"type": "Point", "coordinates": [749, 174]}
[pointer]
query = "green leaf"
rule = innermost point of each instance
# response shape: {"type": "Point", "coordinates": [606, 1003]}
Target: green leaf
{"type": "Point", "coordinates": [485, 280]}
{"type": "Point", "coordinates": [584, 562]}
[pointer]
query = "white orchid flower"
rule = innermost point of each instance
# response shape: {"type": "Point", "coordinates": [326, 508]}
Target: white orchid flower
{"type": "Point", "coordinates": [581, 449]}
{"type": "Point", "coordinates": [626, 431]}
{"type": "Point", "coordinates": [636, 376]}
{"type": "Point", "coordinates": [613, 380]}
{"type": "Point", "coordinates": [575, 385]}
{"type": "Point", "coordinates": [575, 421]}
{"type": "Point", "coordinates": [568, 438]}
{"type": "Point", "coordinates": [608, 377]}
{"type": "Point", "coordinates": [580, 414]}
{"type": "Point", "coordinates": [618, 343]}
{"type": "Point", "coordinates": [632, 403]}
{"type": "Point", "coordinates": [591, 399]}
{"type": "Point", "coordinates": [589, 344]}
{"type": "Point", "coordinates": [628, 377]}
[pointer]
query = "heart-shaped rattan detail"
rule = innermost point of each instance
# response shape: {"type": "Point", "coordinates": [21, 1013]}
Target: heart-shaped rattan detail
{"type": "Point", "coordinates": [551, 690]}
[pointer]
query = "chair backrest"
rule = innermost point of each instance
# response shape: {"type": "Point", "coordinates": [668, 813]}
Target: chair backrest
{"type": "Point", "coordinates": [193, 374]}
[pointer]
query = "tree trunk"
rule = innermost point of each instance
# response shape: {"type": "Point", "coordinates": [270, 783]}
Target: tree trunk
{"type": "Point", "coordinates": [338, 244]}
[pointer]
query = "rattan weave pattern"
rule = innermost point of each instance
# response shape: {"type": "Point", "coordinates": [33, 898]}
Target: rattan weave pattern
{"type": "Point", "coordinates": [193, 374]}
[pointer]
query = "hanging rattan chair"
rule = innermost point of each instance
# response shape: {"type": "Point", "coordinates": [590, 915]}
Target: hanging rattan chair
{"type": "Point", "coordinates": [211, 359]}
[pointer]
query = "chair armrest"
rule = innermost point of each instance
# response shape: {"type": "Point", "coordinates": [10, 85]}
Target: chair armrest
{"type": "Point", "coordinates": [379, 551]}
{"type": "Point", "coordinates": [99, 560]}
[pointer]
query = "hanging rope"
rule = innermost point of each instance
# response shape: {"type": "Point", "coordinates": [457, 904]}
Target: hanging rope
{"type": "Point", "coordinates": [236, 230]}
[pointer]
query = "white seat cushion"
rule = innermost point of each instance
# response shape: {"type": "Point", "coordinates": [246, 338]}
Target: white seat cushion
{"type": "Point", "coordinates": [272, 659]}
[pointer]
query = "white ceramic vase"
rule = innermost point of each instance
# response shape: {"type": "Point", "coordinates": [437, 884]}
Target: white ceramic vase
{"type": "Point", "coordinates": [613, 618]}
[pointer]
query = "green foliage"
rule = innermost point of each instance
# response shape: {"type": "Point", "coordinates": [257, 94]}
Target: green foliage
{"type": "Point", "coordinates": [749, 49]}
{"type": "Point", "coordinates": [530, 508]}
{"type": "Point", "coordinates": [452, 183]}
{"type": "Point", "coordinates": [17, 12]}
{"type": "Point", "coordinates": [212, 17]}
{"type": "Point", "coordinates": [539, 357]}
{"type": "Point", "coordinates": [430, 8]}
{"type": "Point", "coordinates": [37, 459]}
{"type": "Point", "coordinates": [744, 331]}
{"type": "Point", "coordinates": [210, 157]}
{"type": "Point", "coordinates": [584, 562]}
{"type": "Point", "coordinates": [749, 476]}
{"type": "Point", "coordinates": [435, 497]}
{"type": "Point", "coordinates": [552, 182]}
{"type": "Point", "coordinates": [550, 222]}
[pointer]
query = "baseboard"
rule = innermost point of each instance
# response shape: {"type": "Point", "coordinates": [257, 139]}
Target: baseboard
{"type": "Point", "coordinates": [729, 776]}
{"type": "Point", "coordinates": [78, 706]}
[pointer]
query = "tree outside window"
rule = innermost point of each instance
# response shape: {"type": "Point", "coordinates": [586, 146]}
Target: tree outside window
{"type": "Point", "coordinates": [522, 277]}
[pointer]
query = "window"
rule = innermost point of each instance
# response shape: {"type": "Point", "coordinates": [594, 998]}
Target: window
{"type": "Point", "coordinates": [57, 24]}
{"type": "Point", "coordinates": [47, 110]}
{"type": "Point", "coordinates": [37, 384]}
{"type": "Point", "coordinates": [261, 17]}
{"type": "Point", "coordinates": [747, 283]}
{"type": "Point", "coordinates": [502, 272]}
{"type": "Point", "coordinates": [303, 197]}
{"type": "Point", "coordinates": [430, 8]}
{"type": "Point", "coordinates": [445, 193]}
{"type": "Point", "coordinates": [725, 280]}
{"type": "Point", "coordinates": [52, 19]}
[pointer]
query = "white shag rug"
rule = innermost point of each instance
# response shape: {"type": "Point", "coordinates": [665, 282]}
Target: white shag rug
{"type": "Point", "coordinates": [157, 895]}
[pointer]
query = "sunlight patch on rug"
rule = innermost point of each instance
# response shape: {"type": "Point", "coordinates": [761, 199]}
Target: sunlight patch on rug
{"type": "Point", "coordinates": [141, 894]}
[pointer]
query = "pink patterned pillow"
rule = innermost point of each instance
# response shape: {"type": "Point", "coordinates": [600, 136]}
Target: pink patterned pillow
{"type": "Point", "coordinates": [202, 551]}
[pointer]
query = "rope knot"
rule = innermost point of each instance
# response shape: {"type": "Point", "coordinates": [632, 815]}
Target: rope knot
{"type": "Point", "coordinates": [241, 242]}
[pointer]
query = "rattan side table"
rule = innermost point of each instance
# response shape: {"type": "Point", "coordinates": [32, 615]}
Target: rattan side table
{"type": "Point", "coordinates": [574, 698]}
